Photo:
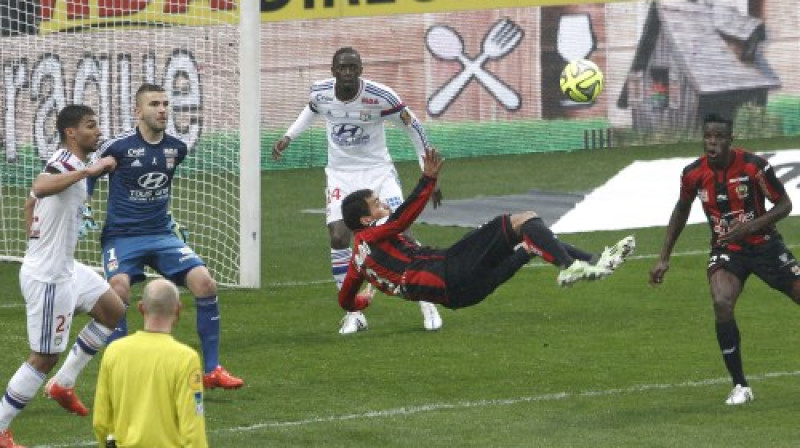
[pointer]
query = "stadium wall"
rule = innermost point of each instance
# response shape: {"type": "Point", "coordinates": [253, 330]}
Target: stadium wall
{"type": "Point", "coordinates": [397, 51]}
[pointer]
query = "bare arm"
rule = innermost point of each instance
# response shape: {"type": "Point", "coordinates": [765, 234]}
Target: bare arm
{"type": "Point", "coordinates": [677, 222]}
{"type": "Point", "coordinates": [303, 122]}
{"type": "Point", "coordinates": [30, 203]}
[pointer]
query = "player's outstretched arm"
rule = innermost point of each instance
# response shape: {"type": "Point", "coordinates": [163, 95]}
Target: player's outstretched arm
{"type": "Point", "coordinates": [50, 183]}
{"type": "Point", "coordinates": [432, 162]}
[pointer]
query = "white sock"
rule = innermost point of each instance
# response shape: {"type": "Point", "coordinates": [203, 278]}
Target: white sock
{"type": "Point", "coordinates": [21, 389]}
{"type": "Point", "coordinates": [340, 258]}
{"type": "Point", "coordinates": [90, 340]}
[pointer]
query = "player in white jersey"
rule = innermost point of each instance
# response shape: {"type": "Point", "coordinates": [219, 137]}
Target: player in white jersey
{"type": "Point", "coordinates": [355, 110]}
{"type": "Point", "coordinates": [55, 286]}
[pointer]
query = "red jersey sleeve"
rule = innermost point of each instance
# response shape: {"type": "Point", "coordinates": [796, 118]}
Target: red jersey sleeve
{"type": "Point", "coordinates": [768, 182]}
{"type": "Point", "coordinates": [405, 215]}
{"type": "Point", "coordinates": [347, 295]}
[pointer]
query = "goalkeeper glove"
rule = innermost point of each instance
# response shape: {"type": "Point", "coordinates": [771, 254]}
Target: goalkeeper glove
{"type": "Point", "coordinates": [179, 230]}
{"type": "Point", "coordinates": [88, 224]}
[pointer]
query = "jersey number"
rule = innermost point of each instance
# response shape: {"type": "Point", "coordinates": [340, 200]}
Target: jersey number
{"type": "Point", "coordinates": [334, 195]}
{"type": "Point", "coordinates": [61, 319]}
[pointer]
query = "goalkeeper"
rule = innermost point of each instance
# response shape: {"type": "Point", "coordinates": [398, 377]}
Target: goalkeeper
{"type": "Point", "coordinates": [465, 273]}
{"type": "Point", "coordinates": [139, 231]}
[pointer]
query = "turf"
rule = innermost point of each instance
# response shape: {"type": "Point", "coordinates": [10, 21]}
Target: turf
{"type": "Point", "coordinates": [605, 364]}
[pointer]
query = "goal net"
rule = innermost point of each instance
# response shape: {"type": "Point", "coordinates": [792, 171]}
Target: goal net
{"type": "Point", "coordinates": [97, 52]}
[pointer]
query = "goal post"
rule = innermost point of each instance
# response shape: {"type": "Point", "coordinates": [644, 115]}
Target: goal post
{"type": "Point", "coordinates": [250, 145]}
{"type": "Point", "coordinates": [97, 52]}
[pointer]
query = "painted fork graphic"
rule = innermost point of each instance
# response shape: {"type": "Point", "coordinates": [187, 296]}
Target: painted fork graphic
{"type": "Point", "coordinates": [445, 43]}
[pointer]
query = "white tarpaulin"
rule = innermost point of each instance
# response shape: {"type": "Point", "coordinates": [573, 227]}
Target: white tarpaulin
{"type": "Point", "coordinates": [644, 193]}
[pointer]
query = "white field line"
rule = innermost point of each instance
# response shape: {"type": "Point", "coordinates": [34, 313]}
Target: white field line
{"type": "Point", "coordinates": [433, 407]}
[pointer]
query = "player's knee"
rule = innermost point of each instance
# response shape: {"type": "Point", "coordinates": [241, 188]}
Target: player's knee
{"type": "Point", "coordinates": [122, 288]}
{"type": "Point", "coordinates": [723, 309]}
{"type": "Point", "coordinates": [517, 219]}
{"type": "Point", "coordinates": [340, 235]}
{"type": "Point", "coordinates": [340, 240]}
{"type": "Point", "coordinates": [794, 293]}
{"type": "Point", "coordinates": [200, 282]}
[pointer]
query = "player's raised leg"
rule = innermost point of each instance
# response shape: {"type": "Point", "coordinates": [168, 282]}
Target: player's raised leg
{"type": "Point", "coordinates": [541, 241]}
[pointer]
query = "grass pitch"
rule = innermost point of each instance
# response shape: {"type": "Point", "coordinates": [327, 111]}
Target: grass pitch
{"type": "Point", "coordinates": [606, 364]}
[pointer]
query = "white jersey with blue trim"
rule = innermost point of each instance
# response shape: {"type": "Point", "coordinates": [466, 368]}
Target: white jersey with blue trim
{"type": "Point", "coordinates": [141, 185]}
{"type": "Point", "coordinates": [50, 256]}
{"type": "Point", "coordinates": [355, 128]}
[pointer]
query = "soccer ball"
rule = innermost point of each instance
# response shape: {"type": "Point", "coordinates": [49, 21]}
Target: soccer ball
{"type": "Point", "coordinates": [582, 81]}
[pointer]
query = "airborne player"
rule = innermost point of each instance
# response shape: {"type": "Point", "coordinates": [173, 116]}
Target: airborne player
{"type": "Point", "coordinates": [355, 110]}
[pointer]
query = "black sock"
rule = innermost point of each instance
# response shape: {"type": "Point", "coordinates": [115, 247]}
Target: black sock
{"type": "Point", "coordinates": [578, 254]}
{"type": "Point", "coordinates": [546, 244]}
{"type": "Point", "coordinates": [729, 343]}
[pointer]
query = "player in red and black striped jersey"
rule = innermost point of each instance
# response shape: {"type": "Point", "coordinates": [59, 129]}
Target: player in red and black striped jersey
{"type": "Point", "coordinates": [733, 186]}
{"type": "Point", "coordinates": [455, 277]}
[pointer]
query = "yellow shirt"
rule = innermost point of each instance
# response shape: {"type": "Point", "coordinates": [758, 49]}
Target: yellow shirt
{"type": "Point", "coordinates": [150, 394]}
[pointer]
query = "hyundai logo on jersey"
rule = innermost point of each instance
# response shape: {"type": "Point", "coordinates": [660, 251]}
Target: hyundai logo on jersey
{"type": "Point", "coordinates": [151, 181]}
{"type": "Point", "coordinates": [348, 134]}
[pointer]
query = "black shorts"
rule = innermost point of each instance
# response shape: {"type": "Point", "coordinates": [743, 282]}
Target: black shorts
{"type": "Point", "coordinates": [772, 262]}
{"type": "Point", "coordinates": [473, 257]}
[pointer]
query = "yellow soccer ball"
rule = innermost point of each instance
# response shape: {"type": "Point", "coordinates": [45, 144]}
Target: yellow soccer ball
{"type": "Point", "coordinates": [582, 81]}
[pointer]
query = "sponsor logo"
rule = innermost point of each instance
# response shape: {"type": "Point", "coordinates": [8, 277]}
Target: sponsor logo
{"type": "Point", "coordinates": [171, 152]}
{"type": "Point", "coordinates": [135, 152]}
{"type": "Point", "coordinates": [320, 98]}
{"type": "Point", "coordinates": [361, 254]}
{"type": "Point", "coordinates": [348, 135]}
{"type": "Point", "coordinates": [198, 403]}
{"type": "Point", "coordinates": [152, 181]}
{"type": "Point", "coordinates": [82, 14]}
{"type": "Point", "coordinates": [742, 191]}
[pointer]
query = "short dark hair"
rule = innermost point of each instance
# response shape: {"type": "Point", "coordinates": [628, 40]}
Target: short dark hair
{"type": "Point", "coordinates": [716, 118]}
{"type": "Point", "coordinates": [70, 117]}
{"type": "Point", "coordinates": [354, 207]}
{"type": "Point", "coordinates": [342, 51]}
{"type": "Point", "coordinates": [148, 87]}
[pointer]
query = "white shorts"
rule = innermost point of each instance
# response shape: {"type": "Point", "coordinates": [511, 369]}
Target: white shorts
{"type": "Point", "coordinates": [51, 306]}
{"type": "Point", "coordinates": [383, 181]}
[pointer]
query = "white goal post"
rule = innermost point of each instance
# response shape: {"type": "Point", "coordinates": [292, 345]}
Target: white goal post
{"type": "Point", "coordinates": [205, 53]}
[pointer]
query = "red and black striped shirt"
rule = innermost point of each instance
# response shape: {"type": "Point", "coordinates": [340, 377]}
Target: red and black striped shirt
{"type": "Point", "coordinates": [735, 193]}
{"type": "Point", "coordinates": [384, 257]}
